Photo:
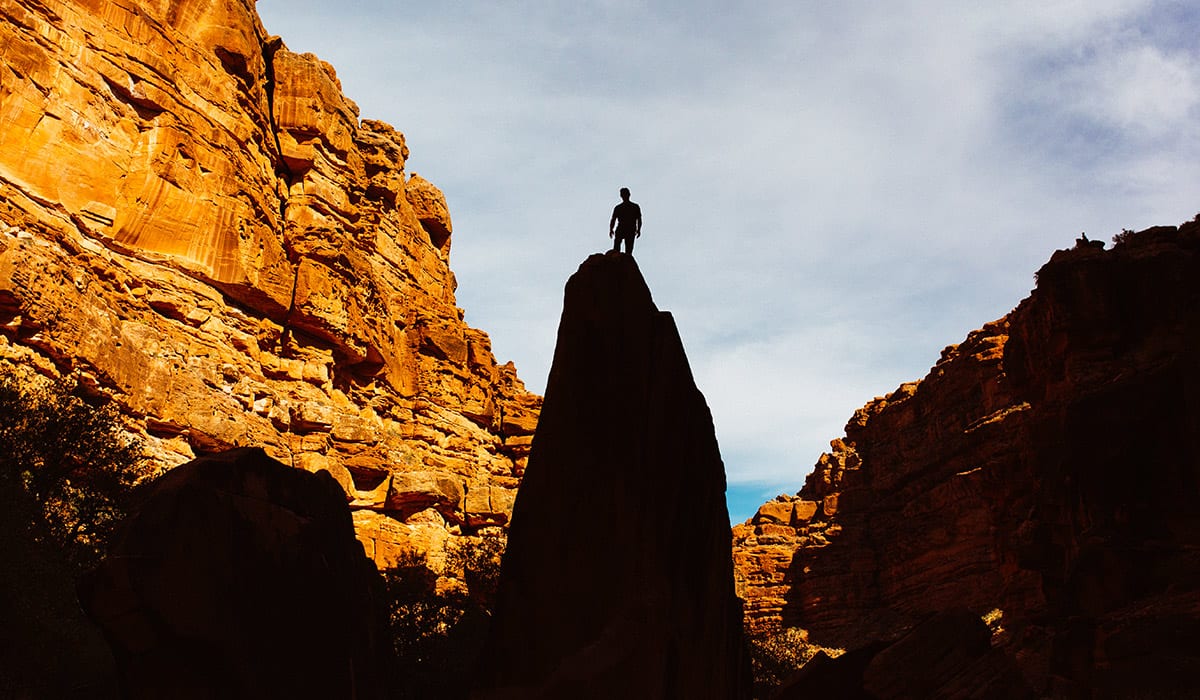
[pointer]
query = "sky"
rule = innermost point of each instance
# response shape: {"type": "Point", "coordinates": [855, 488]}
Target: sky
{"type": "Point", "coordinates": [832, 192]}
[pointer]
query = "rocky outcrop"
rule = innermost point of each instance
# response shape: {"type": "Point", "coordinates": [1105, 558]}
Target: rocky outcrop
{"type": "Point", "coordinates": [948, 655]}
{"type": "Point", "coordinates": [1047, 470]}
{"type": "Point", "coordinates": [931, 544]}
{"type": "Point", "coordinates": [195, 222]}
{"type": "Point", "coordinates": [240, 577]}
{"type": "Point", "coordinates": [617, 579]}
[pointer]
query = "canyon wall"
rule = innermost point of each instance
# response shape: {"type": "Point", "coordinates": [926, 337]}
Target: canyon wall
{"type": "Point", "coordinates": [195, 223]}
{"type": "Point", "coordinates": [1046, 471]}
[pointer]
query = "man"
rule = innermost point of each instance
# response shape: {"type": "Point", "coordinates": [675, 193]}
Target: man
{"type": "Point", "coordinates": [626, 223]}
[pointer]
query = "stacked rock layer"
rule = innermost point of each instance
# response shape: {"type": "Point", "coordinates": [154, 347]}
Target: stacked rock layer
{"type": "Point", "coordinates": [195, 222]}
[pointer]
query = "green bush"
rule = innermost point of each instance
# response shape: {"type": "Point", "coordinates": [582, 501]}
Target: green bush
{"type": "Point", "coordinates": [437, 634]}
{"type": "Point", "coordinates": [1123, 237]}
{"type": "Point", "coordinates": [67, 465]}
{"type": "Point", "coordinates": [66, 468]}
{"type": "Point", "coordinates": [776, 656]}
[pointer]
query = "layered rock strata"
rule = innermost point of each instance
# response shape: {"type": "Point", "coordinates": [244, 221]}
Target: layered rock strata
{"type": "Point", "coordinates": [1047, 469]}
{"type": "Point", "coordinates": [195, 222]}
{"type": "Point", "coordinates": [240, 577]}
{"type": "Point", "coordinates": [617, 580]}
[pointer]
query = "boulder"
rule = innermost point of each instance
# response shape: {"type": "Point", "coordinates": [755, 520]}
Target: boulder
{"type": "Point", "coordinates": [239, 577]}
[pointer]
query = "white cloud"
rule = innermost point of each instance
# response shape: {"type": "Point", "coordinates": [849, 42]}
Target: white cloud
{"type": "Point", "coordinates": [1144, 89]}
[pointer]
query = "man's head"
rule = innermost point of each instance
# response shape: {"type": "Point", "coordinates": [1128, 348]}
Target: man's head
{"type": "Point", "coordinates": [625, 193]}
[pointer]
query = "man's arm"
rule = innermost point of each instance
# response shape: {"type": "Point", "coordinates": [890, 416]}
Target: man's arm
{"type": "Point", "coordinates": [638, 224]}
{"type": "Point", "coordinates": [612, 223]}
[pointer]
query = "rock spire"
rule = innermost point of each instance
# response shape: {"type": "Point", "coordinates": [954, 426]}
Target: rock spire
{"type": "Point", "coordinates": [617, 581]}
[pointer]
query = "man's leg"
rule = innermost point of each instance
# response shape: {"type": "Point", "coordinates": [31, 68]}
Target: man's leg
{"type": "Point", "coordinates": [617, 243]}
{"type": "Point", "coordinates": [629, 244]}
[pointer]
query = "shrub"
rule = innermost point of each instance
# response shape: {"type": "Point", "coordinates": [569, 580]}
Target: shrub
{"type": "Point", "coordinates": [66, 468]}
{"type": "Point", "coordinates": [67, 465]}
{"type": "Point", "coordinates": [438, 624]}
{"type": "Point", "coordinates": [776, 656]}
{"type": "Point", "coordinates": [1123, 236]}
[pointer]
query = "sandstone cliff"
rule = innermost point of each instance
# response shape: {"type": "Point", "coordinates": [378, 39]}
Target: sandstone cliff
{"type": "Point", "coordinates": [195, 222]}
{"type": "Point", "coordinates": [617, 580]}
{"type": "Point", "coordinates": [1047, 469]}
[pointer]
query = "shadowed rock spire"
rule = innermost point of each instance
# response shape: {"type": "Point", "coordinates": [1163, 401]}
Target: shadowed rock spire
{"type": "Point", "coordinates": [617, 581]}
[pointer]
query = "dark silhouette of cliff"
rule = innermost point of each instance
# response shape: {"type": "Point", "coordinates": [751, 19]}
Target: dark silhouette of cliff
{"type": "Point", "coordinates": [617, 581]}
{"type": "Point", "coordinates": [1046, 471]}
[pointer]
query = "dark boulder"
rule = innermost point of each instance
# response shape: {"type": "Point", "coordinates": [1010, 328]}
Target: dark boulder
{"type": "Point", "coordinates": [239, 577]}
{"type": "Point", "coordinates": [947, 655]}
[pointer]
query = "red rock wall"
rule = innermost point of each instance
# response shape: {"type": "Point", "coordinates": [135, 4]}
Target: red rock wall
{"type": "Point", "coordinates": [195, 222]}
{"type": "Point", "coordinates": [1048, 466]}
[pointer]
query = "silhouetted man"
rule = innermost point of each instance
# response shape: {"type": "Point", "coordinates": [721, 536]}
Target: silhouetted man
{"type": "Point", "coordinates": [626, 223]}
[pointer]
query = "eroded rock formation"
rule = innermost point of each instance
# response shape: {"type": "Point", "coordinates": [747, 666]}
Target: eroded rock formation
{"type": "Point", "coordinates": [1047, 468]}
{"type": "Point", "coordinates": [617, 580]}
{"type": "Point", "coordinates": [947, 655]}
{"type": "Point", "coordinates": [195, 222]}
{"type": "Point", "coordinates": [240, 577]}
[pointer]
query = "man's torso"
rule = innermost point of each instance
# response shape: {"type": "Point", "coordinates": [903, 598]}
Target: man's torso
{"type": "Point", "coordinates": [627, 214]}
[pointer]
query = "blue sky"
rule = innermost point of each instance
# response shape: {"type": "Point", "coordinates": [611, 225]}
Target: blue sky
{"type": "Point", "coordinates": [832, 192]}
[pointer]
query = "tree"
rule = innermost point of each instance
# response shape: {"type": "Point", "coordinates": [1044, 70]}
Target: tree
{"type": "Point", "coordinates": [438, 624]}
{"type": "Point", "coordinates": [775, 656]}
{"type": "Point", "coordinates": [66, 467]}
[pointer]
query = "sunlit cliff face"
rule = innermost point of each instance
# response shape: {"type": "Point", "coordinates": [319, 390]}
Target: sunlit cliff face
{"type": "Point", "coordinates": [150, 127]}
{"type": "Point", "coordinates": [196, 223]}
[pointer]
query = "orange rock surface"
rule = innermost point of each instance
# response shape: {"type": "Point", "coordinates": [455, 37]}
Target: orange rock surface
{"type": "Point", "coordinates": [195, 222]}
